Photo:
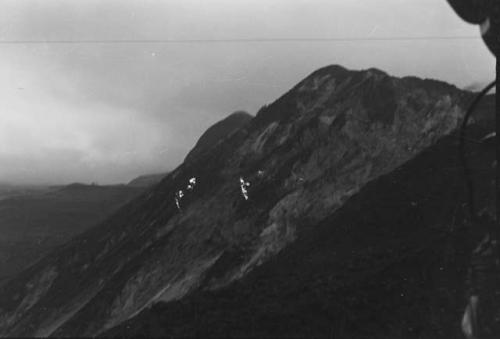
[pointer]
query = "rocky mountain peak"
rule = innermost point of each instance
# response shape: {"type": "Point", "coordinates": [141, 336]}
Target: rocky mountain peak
{"type": "Point", "coordinates": [300, 159]}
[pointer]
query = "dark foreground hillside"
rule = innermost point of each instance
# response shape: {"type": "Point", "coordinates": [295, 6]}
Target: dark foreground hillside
{"type": "Point", "coordinates": [33, 223]}
{"type": "Point", "coordinates": [390, 263]}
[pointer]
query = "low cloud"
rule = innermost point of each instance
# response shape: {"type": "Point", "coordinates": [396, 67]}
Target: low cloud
{"type": "Point", "coordinates": [109, 112]}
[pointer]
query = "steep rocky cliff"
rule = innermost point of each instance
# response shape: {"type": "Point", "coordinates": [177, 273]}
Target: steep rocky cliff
{"type": "Point", "coordinates": [292, 165]}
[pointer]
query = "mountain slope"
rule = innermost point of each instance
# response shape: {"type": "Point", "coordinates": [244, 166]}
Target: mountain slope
{"type": "Point", "coordinates": [390, 263]}
{"type": "Point", "coordinates": [217, 132]}
{"type": "Point", "coordinates": [303, 155]}
{"type": "Point", "coordinates": [32, 223]}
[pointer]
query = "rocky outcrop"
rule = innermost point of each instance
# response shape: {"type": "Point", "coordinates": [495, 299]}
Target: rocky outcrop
{"type": "Point", "coordinates": [302, 157]}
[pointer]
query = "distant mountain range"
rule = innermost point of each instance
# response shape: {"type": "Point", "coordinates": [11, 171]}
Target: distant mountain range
{"type": "Point", "coordinates": [317, 217]}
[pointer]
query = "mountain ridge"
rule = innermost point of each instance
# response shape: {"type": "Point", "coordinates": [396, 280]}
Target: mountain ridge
{"type": "Point", "coordinates": [303, 156]}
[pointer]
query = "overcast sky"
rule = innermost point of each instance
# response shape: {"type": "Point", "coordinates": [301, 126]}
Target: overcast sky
{"type": "Point", "coordinates": [107, 112]}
